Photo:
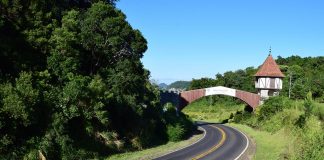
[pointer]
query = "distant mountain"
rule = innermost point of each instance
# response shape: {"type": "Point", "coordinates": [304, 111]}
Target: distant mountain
{"type": "Point", "coordinates": [179, 85]}
{"type": "Point", "coordinates": [163, 86]}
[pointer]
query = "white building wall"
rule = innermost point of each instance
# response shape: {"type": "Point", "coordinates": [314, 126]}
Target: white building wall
{"type": "Point", "coordinates": [264, 93]}
{"type": "Point", "coordinates": [265, 83]}
{"type": "Point", "coordinates": [278, 82]}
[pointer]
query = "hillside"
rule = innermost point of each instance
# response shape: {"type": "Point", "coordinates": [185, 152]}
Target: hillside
{"type": "Point", "coordinates": [72, 84]}
{"type": "Point", "coordinates": [283, 128]}
{"type": "Point", "coordinates": [179, 85]}
{"type": "Point", "coordinates": [163, 86]}
{"type": "Point", "coordinates": [307, 74]}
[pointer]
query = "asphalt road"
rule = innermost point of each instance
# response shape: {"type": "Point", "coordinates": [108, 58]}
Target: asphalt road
{"type": "Point", "coordinates": [220, 142]}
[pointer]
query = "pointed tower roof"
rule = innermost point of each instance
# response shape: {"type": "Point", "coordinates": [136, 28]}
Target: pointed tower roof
{"type": "Point", "coordinates": [269, 68]}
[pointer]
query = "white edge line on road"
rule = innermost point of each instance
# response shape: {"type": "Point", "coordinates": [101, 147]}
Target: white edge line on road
{"type": "Point", "coordinates": [186, 146]}
{"type": "Point", "coordinates": [247, 143]}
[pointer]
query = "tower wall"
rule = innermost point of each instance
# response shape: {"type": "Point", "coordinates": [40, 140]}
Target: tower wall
{"type": "Point", "coordinates": [274, 83]}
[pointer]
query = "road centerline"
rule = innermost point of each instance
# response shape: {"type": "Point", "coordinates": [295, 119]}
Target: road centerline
{"type": "Point", "coordinates": [221, 142]}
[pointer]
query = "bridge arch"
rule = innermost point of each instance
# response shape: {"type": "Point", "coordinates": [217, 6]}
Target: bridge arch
{"type": "Point", "coordinates": [187, 97]}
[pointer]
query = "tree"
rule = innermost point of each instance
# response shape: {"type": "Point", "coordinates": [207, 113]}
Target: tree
{"type": "Point", "coordinates": [201, 83]}
{"type": "Point", "coordinates": [109, 39]}
{"type": "Point", "coordinates": [72, 79]}
{"type": "Point", "coordinates": [18, 111]}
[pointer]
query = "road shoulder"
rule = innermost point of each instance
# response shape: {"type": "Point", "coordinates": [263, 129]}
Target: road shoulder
{"type": "Point", "coordinates": [155, 152]}
{"type": "Point", "coordinates": [251, 148]}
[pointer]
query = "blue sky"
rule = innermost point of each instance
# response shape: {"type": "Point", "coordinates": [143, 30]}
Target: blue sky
{"type": "Point", "coordinates": [193, 39]}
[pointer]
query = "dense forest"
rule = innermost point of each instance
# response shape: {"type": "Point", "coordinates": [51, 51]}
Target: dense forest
{"type": "Point", "coordinates": [72, 85]}
{"type": "Point", "coordinates": [306, 74]}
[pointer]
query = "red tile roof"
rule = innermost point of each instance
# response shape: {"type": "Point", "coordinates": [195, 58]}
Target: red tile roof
{"type": "Point", "coordinates": [269, 68]}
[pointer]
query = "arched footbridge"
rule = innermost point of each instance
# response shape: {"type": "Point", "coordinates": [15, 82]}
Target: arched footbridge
{"type": "Point", "coordinates": [186, 97]}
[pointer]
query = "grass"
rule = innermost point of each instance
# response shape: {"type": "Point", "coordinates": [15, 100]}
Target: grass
{"type": "Point", "coordinates": [319, 110]}
{"type": "Point", "coordinates": [155, 152]}
{"type": "Point", "coordinates": [204, 109]}
{"type": "Point", "coordinates": [269, 146]}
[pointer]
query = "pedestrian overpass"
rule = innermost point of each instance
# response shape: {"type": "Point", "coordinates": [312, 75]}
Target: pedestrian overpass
{"type": "Point", "coordinates": [186, 97]}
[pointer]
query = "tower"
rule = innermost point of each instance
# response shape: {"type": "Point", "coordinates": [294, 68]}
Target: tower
{"type": "Point", "coordinates": [268, 79]}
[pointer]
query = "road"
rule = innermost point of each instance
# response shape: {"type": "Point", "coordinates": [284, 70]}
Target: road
{"type": "Point", "coordinates": [219, 142]}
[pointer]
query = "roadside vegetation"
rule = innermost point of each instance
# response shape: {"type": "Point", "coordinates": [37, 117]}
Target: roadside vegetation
{"type": "Point", "coordinates": [300, 122]}
{"type": "Point", "coordinates": [158, 151]}
{"type": "Point", "coordinates": [283, 127]}
{"type": "Point", "coordinates": [213, 108]}
{"type": "Point", "coordinates": [72, 85]}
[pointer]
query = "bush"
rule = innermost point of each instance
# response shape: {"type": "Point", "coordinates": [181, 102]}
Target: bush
{"type": "Point", "coordinates": [32, 154]}
{"type": "Point", "coordinates": [312, 140]}
{"type": "Point", "coordinates": [179, 126]}
{"type": "Point", "coordinates": [273, 105]}
{"type": "Point", "coordinates": [286, 118]}
{"type": "Point", "coordinates": [318, 110]}
{"type": "Point", "coordinates": [175, 133]}
{"type": "Point", "coordinates": [308, 105]}
{"type": "Point", "coordinates": [247, 118]}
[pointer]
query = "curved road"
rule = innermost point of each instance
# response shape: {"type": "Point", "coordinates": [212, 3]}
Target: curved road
{"type": "Point", "coordinates": [219, 142]}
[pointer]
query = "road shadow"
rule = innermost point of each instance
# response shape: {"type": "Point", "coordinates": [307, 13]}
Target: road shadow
{"type": "Point", "coordinates": [201, 123]}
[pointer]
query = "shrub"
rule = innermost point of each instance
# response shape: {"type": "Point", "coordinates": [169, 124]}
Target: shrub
{"type": "Point", "coordinates": [312, 140]}
{"type": "Point", "coordinates": [178, 124]}
{"type": "Point", "coordinates": [136, 143]}
{"type": "Point", "coordinates": [318, 110]}
{"type": "Point", "coordinates": [308, 105]}
{"type": "Point", "coordinates": [274, 105]}
{"type": "Point", "coordinates": [290, 117]}
{"type": "Point", "coordinates": [32, 154]}
{"type": "Point", "coordinates": [285, 118]}
{"type": "Point", "coordinates": [273, 124]}
{"type": "Point", "coordinates": [175, 133]}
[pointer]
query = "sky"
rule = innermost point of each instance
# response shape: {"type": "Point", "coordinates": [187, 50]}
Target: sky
{"type": "Point", "coordinates": [193, 39]}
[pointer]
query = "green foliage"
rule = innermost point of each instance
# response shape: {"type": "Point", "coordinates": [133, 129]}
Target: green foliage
{"type": "Point", "coordinates": [19, 111]}
{"type": "Point", "coordinates": [270, 146]}
{"type": "Point", "coordinates": [301, 121]}
{"type": "Point", "coordinates": [311, 140]}
{"type": "Point", "coordinates": [318, 110]}
{"type": "Point", "coordinates": [122, 42]}
{"type": "Point", "coordinates": [213, 108]}
{"type": "Point", "coordinates": [286, 118]}
{"type": "Point", "coordinates": [273, 105]}
{"type": "Point", "coordinates": [308, 105]}
{"type": "Point", "coordinates": [179, 126]}
{"type": "Point", "coordinates": [175, 133]}
{"type": "Point", "coordinates": [244, 117]}
{"type": "Point", "coordinates": [72, 83]}
{"type": "Point", "coordinates": [201, 83]}
{"type": "Point", "coordinates": [240, 79]}
{"type": "Point", "coordinates": [306, 75]}
{"type": "Point", "coordinates": [179, 84]}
